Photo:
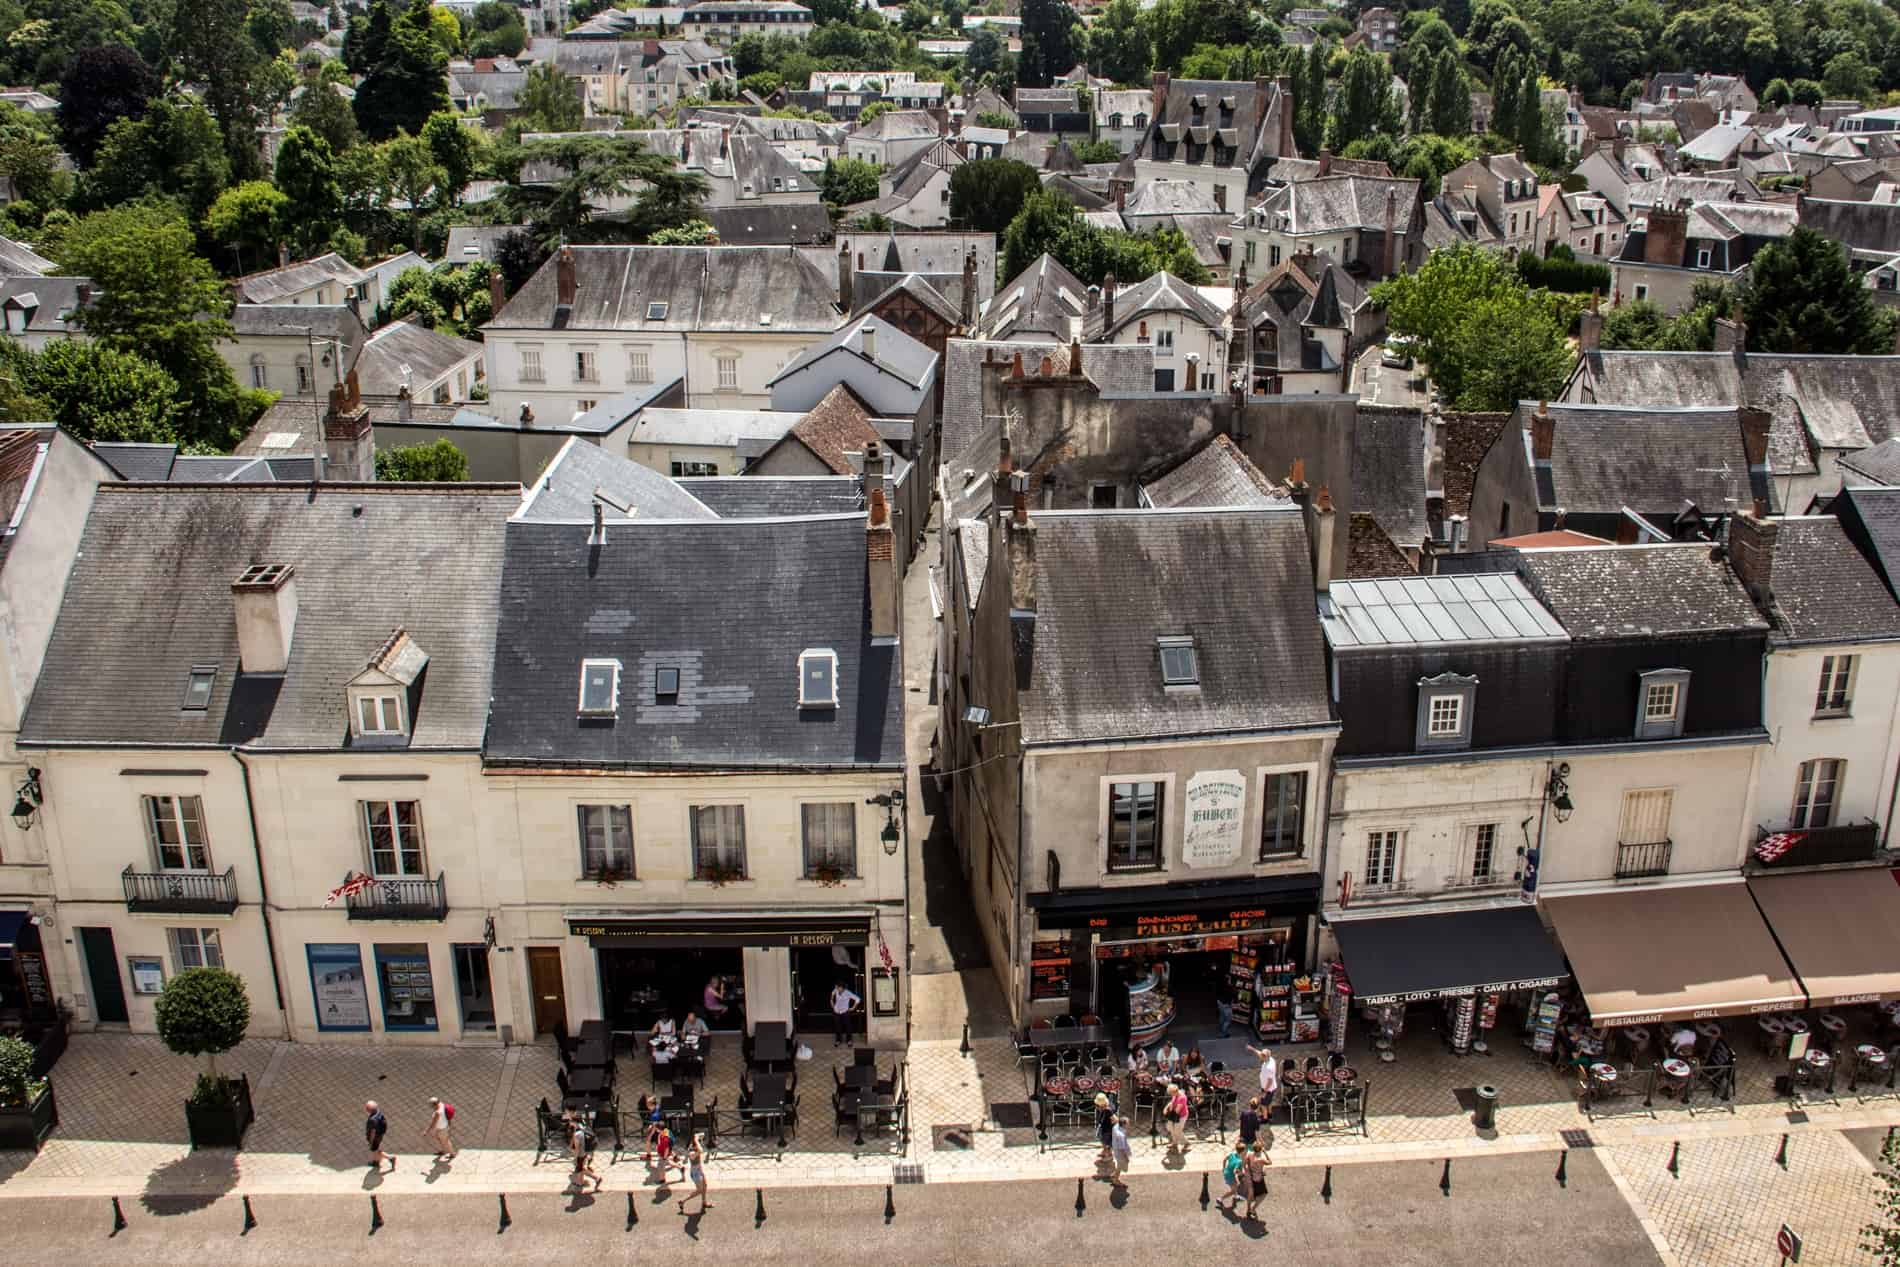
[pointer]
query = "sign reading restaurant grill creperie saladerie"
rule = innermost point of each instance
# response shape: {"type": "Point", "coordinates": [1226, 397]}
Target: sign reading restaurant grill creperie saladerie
{"type": "Point", "coordinates": [1211, 835]}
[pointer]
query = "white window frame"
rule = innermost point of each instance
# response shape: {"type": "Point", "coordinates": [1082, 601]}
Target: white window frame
{"type": "Point", "coordinates": [160, 811]}
{"type": "Point", "coordinates": [1262, 781]}
{"type": "Point", "coordinates": [728, 367]}
{"type": "Point", "coordinates": [194, 948]}
{"type": "Point", "coordinates": [587, 365]}
{"type": "Point", "coordinates": [306, 381]}
{"type": "Point", "coordinates": [1445, 716]}
{"type": "Point", "coordinates": [685, 469]}
{"type": "Point", "coordinates": [1704, 257]}
{"type": "Point", "coordinates": [1662, 703]}
{"type": "Point", "coordinates": [613, 705]}
{"type": "Point", "coordinates": [379, 713]}
{"type": "Point", "coordinates": [837, 846]}
{"type": "Point", "coordinates": [614, 855]}
{"type": "Point", "coordinates": [722, 816]}
{"type": "Point", "coordinates": [1834, 693]}
{"type": "Point", "coordinates": [1164, 838]}
{"type": "Point", "coordinates": [1482, 850]}
{"type": "Point", "coordinates": [807, 656]}
{"type": "Point", "coordinates": [1384, 848]}
{"type": "Point", "coordinates": [401, 867]}
{"type": "Point", "coordinates": [1810, 811]}
{"type": "Point", "coordinates": [639, 365]}
{"type": "Point", "coordinates": [1164, 339]}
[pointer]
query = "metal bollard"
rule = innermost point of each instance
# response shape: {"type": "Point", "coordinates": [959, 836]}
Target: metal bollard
{"type": "Point", "coordinates": [1205, 1199]}
{"type": "Point", "coordinates": [250, 1220]}
{"type": "Point", "coordinates": [118, 1217]}
{"type": "Point", "coordinates": [633, 1213]}
{"type": "Point", "coordinates": [1444, 1180]}
{"type": "Point", "coordinates": [505, 1220]}
{"type": "Point", "coordinates": [1781, 1154]}
{"type": "Point", "coordinates": [375, 1214]}
{"type": "Point", "coordinates": [1081, 1203]}
{"type": "Point", "coordinates": [1563, 1169]}
{"type": "Point", "coordinates": [1675, 1157]}
{"type": "Point", "coordinates": [1326, 1189]}
{"type": "Point", "coordinates": [890, 1206]}
{"type": "Point", "coordinates": [965, 1049]}
{"type": "Point", "coordinates": [758, 1209]}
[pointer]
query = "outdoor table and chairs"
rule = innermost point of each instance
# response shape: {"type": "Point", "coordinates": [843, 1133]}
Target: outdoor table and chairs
{"type": "Point", "coordinates": [771, 1044]}
{"type": "Point", "coordinates": [1676, 1075]}
{"type": "Point", "coordinates": [1814, 1069]}
{"type": "Point", "coordinates": [1600, 1081]}
{"type": "Point", "coordinates": [1871, 1064]}
{"type": "Point", "coordinates": [1319, 1098]}
{"type": "Point", "coordinates": [770, 1106]}
{"type": "Point", "coordinates": [677, 1055]}
{"type": "Point", "coordinates": [590, 1081]}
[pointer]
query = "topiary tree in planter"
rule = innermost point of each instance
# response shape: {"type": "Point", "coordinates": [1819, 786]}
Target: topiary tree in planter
{"type": "Point", "coordinates": [204, 1012]}
{"type": "Point", "coordinates": [27, 1110]}
{"type": "Point", "coordinates": [17, 1084]}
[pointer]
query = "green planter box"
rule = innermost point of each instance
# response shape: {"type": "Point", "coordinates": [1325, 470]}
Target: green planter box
{"type": "Point", "coordinates": [26, 1127]}
{"type": "Point", "coordinates": [222, 1125]}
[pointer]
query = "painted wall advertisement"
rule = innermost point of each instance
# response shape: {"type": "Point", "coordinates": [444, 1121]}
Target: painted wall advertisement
{"type": "Point", "coordinates": [336, 982]}
{"type": "Point", "coordinates": [1216, 803]}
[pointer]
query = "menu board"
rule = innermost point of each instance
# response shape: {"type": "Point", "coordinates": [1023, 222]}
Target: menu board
{"type": "Point", "coordinates": [33, 977]}
{"type": "Point", "coordinates": [337, 986]}
{"type": "Point", "coordinates": [1049, 970]}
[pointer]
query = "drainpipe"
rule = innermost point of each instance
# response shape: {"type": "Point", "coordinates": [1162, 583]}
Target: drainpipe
{"type": "Point", "coordinates": [263, 893]}
{"type": "Point", "coordinates": [1543, 814]}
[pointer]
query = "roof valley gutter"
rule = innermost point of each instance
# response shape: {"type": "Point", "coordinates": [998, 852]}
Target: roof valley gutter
{"type": "Point", "coordinates": [263, 893]}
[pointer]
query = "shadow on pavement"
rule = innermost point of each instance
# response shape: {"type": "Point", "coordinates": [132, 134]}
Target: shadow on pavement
{"type": "Point", "coordinates": [191, 1183]}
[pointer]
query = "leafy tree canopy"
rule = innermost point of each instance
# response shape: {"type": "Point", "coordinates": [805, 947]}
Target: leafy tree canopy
{"type": "Point", "coordinates": [440, 462]}
{"type": "Point", "coordinates": [987, 193]}
{"type": "Point", "coordinates": [1802, 296]}
{"type": "Point", "coordinates": [1489, 339]}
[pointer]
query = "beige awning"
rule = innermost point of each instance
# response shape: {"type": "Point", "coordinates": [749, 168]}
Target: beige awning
{"type": "Point", "coordinates": [1663, 954]}
{"type": "Point", "coordinates": [1841, 930]}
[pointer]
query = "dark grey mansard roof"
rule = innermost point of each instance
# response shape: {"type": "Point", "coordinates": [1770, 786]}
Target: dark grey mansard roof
{"type": "Point", "coordinates": [149, 598]}
{"type": "Point", "coordinates": [1655, 591]}
{"type": "Point", "coordinates": [1388, 473]}
{"type": "Point", "coordinates": [1824, 589]}
{"type": "Point", "coordinates": [1108, 583]}
{"type": "Point", "coordinates": [784, 586]}
{"type": "Point", "coordinates": [1603, 459]}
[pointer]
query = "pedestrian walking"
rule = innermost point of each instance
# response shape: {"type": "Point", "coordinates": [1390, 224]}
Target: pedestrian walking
{"type": "Point", "coordinates": [1250, 1122]}
{"type": "Point", "coordinates": [1121, 1150]}
{"type": "Point", "coordinates": [441, 1113]}
{"type": "Point", "coordinates": [1104, 1125]}
{"type": "Point", "coordinates": [1233, 1171]}
{"type": "Point", "coordinates": [1224, 1004]}
{"type": "Point", "coordinates": [696, 1173]}
{"type": "Point", "coordinates": [375, 1126]}
{"type": "Point", "coordinates": [843, 1001]}
{"type": "Point", "coordinates": [1177, 1115]}
{"type": "Point", "coordinates": [1254, 1177]}
{"type": "Point", "coordinates": [580, 1142]}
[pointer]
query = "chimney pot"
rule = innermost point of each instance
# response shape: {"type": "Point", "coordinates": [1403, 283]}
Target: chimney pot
{"type": "Point", "coordinates": [1751, 552]}
{"type": "Point", "coordinates": [867, 337]}
{"type": "Point", "coordinates": [1324, 521]}
{"type": "Point", "coordinates": [564, 283]}
{"type": "Point", "coordinates": [1325, 162]}
{"type": "Point", "coordinates": [497, 290]}
{"type": "Point", "coordinates": [1543, 433]}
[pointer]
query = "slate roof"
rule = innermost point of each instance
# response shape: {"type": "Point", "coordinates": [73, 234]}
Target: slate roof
{"type": "Point", "coordinates": [427, 353]}
{"type": "Point", "coordinates": [917, 287]}
{"type": "Point", "coordinates": [277, 285]}
{"type": "Point", "coordinates": [775, 496]}
{"type": "Point", "coordinates": [1114, 369]}
{"type": "Point", "coordinates": [50, 301]}
{"type": "Point", "coordinates": [1667, 191]}
{"type": "Point", "coordinates": [1044, 299]}
{"type": "Point", "coordinates": [583, 473]}
{"type": "Point", "coordinates": [1825, 590]}
{"type": "Point", "coordinates": [1649, 459]}
{"type": "Point", "coordinates": [1163, 197]}
{"type": "Point", "coordinates": [1159, 293]}
{"type": "Point", "coordinates": [20, 260]}
{"type": "Point", "coordinates": [135, 460]}
{"type": "Point", "coordinates": [785, 586]}
{"type": "Point", "coordinates": [896, 125]}
{"type": "Point", "coordinates": [1244, 115]}
{"type": "Point", "coordinates": [1290, 296]}
{"type": "Point", "coordinates": [469, 243]}
{"type": "Point", "coordinates": [149, 598]}
{"type": "Point", "coordinates": [1862, 226]}
{"type": "Point", "coordinates": [1837, 402]}
{"type": "Point", "coordinates": [773, 224]}
{"type": "Point", "coordinates": [1108, 583]}
{"type": "Point", "coordinates": [1651, 591]}
{"type": "Point", "coordinates": [1879, 464]}
{"type": "Point", "coordinates": [1388, 473]}
{"type": "Point", "coordinates": [937, 255]}
{"type": "Point", "coordinates": [1218, 474]}
{"type": "Point", "coordinates": [1467, 438]}
{"type": "Point", "coordinates": [705, 288]}
{"type": "Point", "coordinates": [742, 430]}
{"type": "Point", "coordinates": [298, 321]}
{"type": "Point", "coordinates": [1327, 204]}
{"type": "Point", "coordinates": [894, 352]}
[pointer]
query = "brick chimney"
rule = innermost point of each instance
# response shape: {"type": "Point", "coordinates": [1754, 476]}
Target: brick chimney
{"type": "Point", "coordinates": [264, 597]}
{"type": "Point", "coordinates": [1160, 95]}
{"type": "Point", "coordinates": [880, 550]}
{"type": "Point", "coordinates": [867, 340]}
{"type": "Point", "coordinates": [1108, 301]}
{"type": "Point", "coordinates": [1590, 327]}
{"type": "Point", "coordinates": [1325, 162]}
{"type": "Point", "coordinates": [1284, 86]}
{"type": "Point", "coordinates": [497, 290]}
{"type": "Point", "coordinates": [1751, 552]}
{"type": "Point", "coordinates": [564, 285]}
{"type": "Point", "coordinates": [1731, 333]}
{"type": "Point", "coordinates": [1022, 546]}
{"type": "Point", "coordinates": [844, 276]}
{"type": "Point", "coordinates": [1543, 432]}
{"type": "Point", "coordinates": [1667, 236]}
{"type": "Point", "coordinates": [966, 311]}
{"type": "Point", "coordinates": [349, 439]}
{"type": "Point", "coordinates": [1754, 423]}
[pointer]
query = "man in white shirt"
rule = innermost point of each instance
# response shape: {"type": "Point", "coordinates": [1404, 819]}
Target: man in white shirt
{"type": "Point", "coordinates": [1168, 1058]}
{"type": "Point", "coordinates": [842, 1003]}
{"type": "Point", "coordinates": [1269, 1079]}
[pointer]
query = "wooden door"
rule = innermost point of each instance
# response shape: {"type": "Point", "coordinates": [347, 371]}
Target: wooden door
{"type": "Point", "coordinates": [550, 994]}
{"type": "Point", "coordinates": [102, 966]}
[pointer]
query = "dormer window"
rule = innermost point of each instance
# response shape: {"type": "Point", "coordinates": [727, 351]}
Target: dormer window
{"type": "Point", "coordinates": [818, 679]}
{"type": "Point", "coordinates": [1445, 711]}
{"type": "Point", "coordinates": [198, 685]}
{"type": "Point", "coordinates": [1662, 700]}
{"type": "Point", "coordinates": [379, 714]}
{"type": "Point", "coordinates": [600, 688]}
{"type": "Point", "coordinates": [666, 686]}
{"type": "Point", "coordinates": [1180, 667]}
{"type": "Point", "coordinates": [383, 696]}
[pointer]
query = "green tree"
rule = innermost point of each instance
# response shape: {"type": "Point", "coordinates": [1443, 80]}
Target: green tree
{"type": "Point", "coordinates": [1806, 92]}
{"type": "Point", "coordinates": [1450, 107]}
{"type": "Point", "coordinates": [1309, 101]}
{"type": "Point", "coordinates": [1118, 43]}
{"type": "Point", "coordinates": [455, 149]}
{"type": "Point", "coordinates": [408, 83]}
{"type": "Point", "coordinates": [691, 233]}
{"type": "Point", "coordinates": [30, 158]}
{"type": "Point", "coordinates": [248, 218]}
{"type": "Point", "coordinates": [210, 43]}
{"type": "Point", "coordinates": [1777, 94]}
{"type": "Point", "coordinates": [1489, 339]}
{"type": "Point", "coordinates": [1881, 1236]}
{"type": "Point", "coordinates": [987, 52]}
{"type": "Point", "coordinates": [17, 1083]}
{"type": "Point", "coordinates": [203, 1012]}
{"type": "Point", "coordinates": [986, 194]}
{"type": "Point", "coordinates": [550, 101]}
{"type": "Point", "coordinates": [1049, 28]}
{"type": "Point", "coordinates": [100, 87]}
{"type": "Point", "coordinates": [1420, 86]}
{"type": "Point", "coordinates": [160, 299]}
{"type": "Point", "coordinates": [1096, 152]}
{"type": "Point", "coordinates": [1365, 105]}
{"type": "Point", "coordinates": [519, 257]}
{"type": "Point", "coordinates": [413, 176]}
{"type": "Point", "coordinates": [175, 151]}
{"type": "Point", "coordinates": [446, 31]}
{"type": "Point", "coordinates": [1507, 81]}
{"type": "Point", "coordinates": [1849, 77]}
{"type": "Point", "coordinates": [873, 110]}
{"type": "Point", "coordinates": [440, 462]}
{"type": "Point", "coordinates": [848, 181]}
{"type": "Point", "coordinates": [271, 26]}
{"type": "Point", "coordinates": [306, 173]}
{"type": "Point", "coordinates": [96, 392]}
{"type": "Point", "coordinates": [591, 169]}
{"type": "Point", "coordinates": [1802, 296]}
{"type": "Point", "coordinates": [326, 112]}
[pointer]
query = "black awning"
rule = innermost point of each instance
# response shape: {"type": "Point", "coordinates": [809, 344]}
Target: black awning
{"type": "Point", "coordinates": [11, 925]}
{"type": "Point", "coordinates": [1411, 957]}
{"type": "Point", "coordinates": [1228, 899]}
{"type": "Point", "coordinates": [724, 930]}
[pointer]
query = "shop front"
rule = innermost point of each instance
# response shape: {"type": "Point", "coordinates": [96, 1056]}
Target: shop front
{"type": "Point", "coordinates": [1156, 960]}
{"type": "Point", "coordinates": [738, 968]}
{"type": "Point", "coordinates": [1471, 971]}
{"type": "Point", "coordinates": [26, 995]}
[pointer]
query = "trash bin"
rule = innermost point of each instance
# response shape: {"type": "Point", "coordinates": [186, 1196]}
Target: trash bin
{"type": "Point", "coordinates": [1486, 1116]}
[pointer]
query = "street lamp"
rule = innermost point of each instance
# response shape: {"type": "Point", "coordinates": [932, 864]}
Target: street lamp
{"type": "Point", "coordinates": [27, 801]}
{"type": "Point", "coordinates": [1558, 791]}
{"type": "Point", "coordinates": [889, 836]}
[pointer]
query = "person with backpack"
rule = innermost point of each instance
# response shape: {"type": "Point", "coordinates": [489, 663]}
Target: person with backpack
{"type": "Point", "coordinates": [581, 1142]}
{"type": "Point", "coordinates": [441, 1113]}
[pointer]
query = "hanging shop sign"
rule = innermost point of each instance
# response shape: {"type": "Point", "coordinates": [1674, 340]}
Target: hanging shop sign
{"type": "Point", "coordinates": [1214, 831]}
{"type": "Point", "coordinates": [1187, 924]}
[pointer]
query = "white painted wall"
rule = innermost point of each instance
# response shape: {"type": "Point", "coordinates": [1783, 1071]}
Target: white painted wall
{"type": "Point", "coordinates": [1865, 738]}
{"type": "Point", "coordinates": [1710, 821]}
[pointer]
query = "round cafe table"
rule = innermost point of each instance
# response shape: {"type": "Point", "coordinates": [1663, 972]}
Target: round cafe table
{"type": "Point", "coordinates": [1056, 1086]}
{"type": "Point", "coordinates": [1834, 1025]}
{"type": "Point", "coordinates": [1602, 1072]}
{"type": "Point", "coordinates": [1294, 1078]}
{"type": "Point", "coordinates": [1345, 1076]}
{"type": "Point", "coordinates": [1222, 1081]}
{"type": "Point", "coordinates": [1110, 1085]}
{"type": "Point", "coordinates": [1794, 1025]}
{"type": "Point", "coordinates": [1084, 1085]}
{"type": "Point", "coordinates": [1676, 1068]}
{"type": "Point", "coordinates": [1818, 1059]}
{"type": "Point", "coordinates": [1319, 1078]}
{"type": "Point", "coordinates": [1144, 1079]}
